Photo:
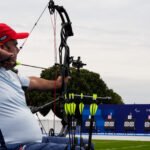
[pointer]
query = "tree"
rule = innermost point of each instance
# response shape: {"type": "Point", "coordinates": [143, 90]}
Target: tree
{"type": "Point", "coordinates": [82, 81]}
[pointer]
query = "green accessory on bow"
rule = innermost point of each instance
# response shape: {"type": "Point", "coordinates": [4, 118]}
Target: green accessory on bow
{"type": "Point", "coordinates": [81, 107]}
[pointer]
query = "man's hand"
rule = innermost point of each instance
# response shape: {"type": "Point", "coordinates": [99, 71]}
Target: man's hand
{"type": "Point", "coordinates": [37, 83]}
{"type": "Point", "coordinates": [59, 81]}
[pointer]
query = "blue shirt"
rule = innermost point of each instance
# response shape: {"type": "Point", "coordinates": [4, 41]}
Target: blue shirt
{"type": "Point", "coordinates": [17, 123]}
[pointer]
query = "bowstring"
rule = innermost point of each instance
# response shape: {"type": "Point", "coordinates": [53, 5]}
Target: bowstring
{"type": "Point", "coordinates": [55, 51]}
{"type": "Point", "coordinates": [21, 47]}
{"type": "Point", "coordinates": [55, 45]}
{"type": "Point", "coordinates": [35, 24]}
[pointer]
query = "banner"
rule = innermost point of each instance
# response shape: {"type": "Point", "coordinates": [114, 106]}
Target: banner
{"type": "Point", "coordinates": [130, 118]}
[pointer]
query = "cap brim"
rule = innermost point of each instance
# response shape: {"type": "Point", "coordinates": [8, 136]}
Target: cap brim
{"type": "Point", "coordinates": [21, 35]}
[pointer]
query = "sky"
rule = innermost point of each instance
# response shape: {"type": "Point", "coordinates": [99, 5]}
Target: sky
{"type": "Point", "coordinates": [111, 36]}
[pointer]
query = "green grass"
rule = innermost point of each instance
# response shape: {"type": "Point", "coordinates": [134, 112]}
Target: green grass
{"type": "Point", "coordinates": [121, 145]}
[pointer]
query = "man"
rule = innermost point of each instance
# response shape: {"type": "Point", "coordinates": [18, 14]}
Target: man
{"type": "Point", "coordinates": [17, 123]}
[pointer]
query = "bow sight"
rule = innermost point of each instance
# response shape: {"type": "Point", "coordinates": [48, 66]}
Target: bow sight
{"type": "Point", "coordinates": [78, 63]}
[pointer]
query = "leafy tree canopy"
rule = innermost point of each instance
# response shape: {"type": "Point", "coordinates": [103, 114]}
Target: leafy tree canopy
{"type": "Point", "coordinates": [85, 82]}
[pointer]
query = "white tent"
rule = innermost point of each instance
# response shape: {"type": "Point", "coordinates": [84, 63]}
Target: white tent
{"type": "Point", "coordinates": [49, 121]}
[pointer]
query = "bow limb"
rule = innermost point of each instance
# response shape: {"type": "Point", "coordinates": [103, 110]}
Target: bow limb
{"type": "Point", "coordinates": [66, 31]}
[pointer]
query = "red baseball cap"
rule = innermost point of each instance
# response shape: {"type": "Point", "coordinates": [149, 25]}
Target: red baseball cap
{"type": "Point", "coordinates": [7, 33]}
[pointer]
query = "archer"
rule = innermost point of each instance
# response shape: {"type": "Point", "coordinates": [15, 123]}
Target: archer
{"type": "Point", "coordinates": [17, 123]}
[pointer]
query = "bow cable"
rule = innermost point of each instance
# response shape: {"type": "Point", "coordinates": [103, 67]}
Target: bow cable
{"type": "Point", "coordinates": [35, 24]}
{"type": "Point", "coordinates": [53, 22]}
